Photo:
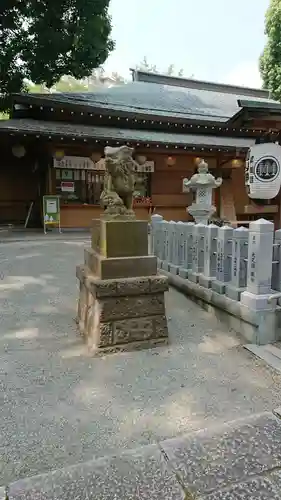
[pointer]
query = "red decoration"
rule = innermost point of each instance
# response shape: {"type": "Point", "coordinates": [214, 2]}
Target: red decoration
{"type": "Point", "coordinates": [143, 201]}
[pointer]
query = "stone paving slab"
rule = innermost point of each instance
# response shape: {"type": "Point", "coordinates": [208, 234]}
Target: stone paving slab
{"type": "Point", "coordinates": [142, 474]}
{"type": "Point", "coordinates": [236, 461]}
{"type": "Point", "coordinates": [260, 488]}
{"type": "Point", "coordinates": [207, 461]}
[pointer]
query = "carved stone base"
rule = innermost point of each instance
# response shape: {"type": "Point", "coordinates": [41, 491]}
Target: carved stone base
{"type": "Point", "coordinates": [121, 314]}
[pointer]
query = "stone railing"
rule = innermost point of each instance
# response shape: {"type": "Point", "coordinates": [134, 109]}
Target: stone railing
{"type": "Point", "coordinates": [243, 265]}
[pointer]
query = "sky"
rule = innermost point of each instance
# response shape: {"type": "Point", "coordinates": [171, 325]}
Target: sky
{"type": "Point", "coordinates": [214, 40]}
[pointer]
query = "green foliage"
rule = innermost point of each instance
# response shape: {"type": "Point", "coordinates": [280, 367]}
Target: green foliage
{"type": "Point", "coordinates": [42, 40]}
{"type": "Point", "coordinates": [270, 61]}
{"type": "Point", "coordinates": [144, 65]}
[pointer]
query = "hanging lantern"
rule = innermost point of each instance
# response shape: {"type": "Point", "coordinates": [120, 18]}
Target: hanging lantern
{"type": "Point", "coordinates": [171, 161]}
{"type": "Point", "coordinates": [18, 150]}
{"type": "Point", "coordinates": [141, 159]}
{"type": "Point", "coordinates": [236, 163]}
{"type": "Point", "coordinates": [95, 157]}
{"type": "Point", "coordinates": [59, 154]}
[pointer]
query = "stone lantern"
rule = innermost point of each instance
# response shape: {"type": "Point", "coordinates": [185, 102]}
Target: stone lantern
{"type": "Point", "coordinates": [202, 183]}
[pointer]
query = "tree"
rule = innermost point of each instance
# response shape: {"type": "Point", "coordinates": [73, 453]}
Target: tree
{"type": "Point", "coordinates": [152, 68]}
{"type": "Point", "coordinates": [270, 61]}
{"type": "Point", "coordinates": [42, 40]}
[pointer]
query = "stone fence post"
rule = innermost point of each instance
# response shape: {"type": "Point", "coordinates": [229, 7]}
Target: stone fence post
{"type": "Point", "coordinates": [155, 234]}
{"type": "Point", "coordinates": [239, 264]}
{"type": "Point", "coordinates": [178, 247]}
{"type": "Point", "coordinates": [171, 230]}
{"type": "Point", "coordinates": [197, 252]}
{"type": "Point", "coordinates": [259, 271]}
{"type": "Point", "coordinates": [210, 260]}
{"type": "Point", "coordinates": [165, 242]}
{"type": "Point", "coordinates": [186, 265]}
{"type": "Point", "coordinates": [276, 264]}
{"type": "Point", "coordinates": [224, 248]}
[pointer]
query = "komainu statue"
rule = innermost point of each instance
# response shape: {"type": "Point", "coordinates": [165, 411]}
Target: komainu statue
{"type": "Point", "coordinates": [119, 182]}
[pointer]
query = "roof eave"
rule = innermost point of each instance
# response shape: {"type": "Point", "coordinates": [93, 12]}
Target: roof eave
{"type": "Point", "coordinates": [258, 110]}
{"type": "Point", "coordinates": [38, 100]}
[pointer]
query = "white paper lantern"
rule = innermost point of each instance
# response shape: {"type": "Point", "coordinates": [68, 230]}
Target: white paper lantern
{"type": "Point", "coordinates": [141, 159]}
{"type": "Point", "coordinates": [263, 171]}
{"type": "Point", "coordinates": [18, 150]}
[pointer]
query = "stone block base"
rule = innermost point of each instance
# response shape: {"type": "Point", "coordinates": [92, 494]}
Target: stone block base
{"type": "Point", "coordinates": [174, 269]}
{"type": "Point", "coordinates": [183, 273]}
{"type": "Point", "coordinates": [119, 267]}
{"type": "Point", "coordinates": [108, 237]}
{"type": "Point", "coordinates": [205, 281]}
{"type": "Point", "coordinates": [194, 276]}
{"type": "Point", "coordinates": [233, 292]}
{"type": "Point", "coordinates": [166, 266]}
{"type": "Point", "coordinates": [218, 286]}
{"type": "Point", "coordinates": [121, 314]}
{"type": "Point", "coordinates": [258, 302]}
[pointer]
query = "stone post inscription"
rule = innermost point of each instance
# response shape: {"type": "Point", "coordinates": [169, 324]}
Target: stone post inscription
{"type": "Point", "coordinates": [209, 251]}
{"type": "Point", "coordinates": [224, 251]}
{"type": "Point", "coordinates": [239, 257]}
{"type": "Point", "coordinates": [198, 250]}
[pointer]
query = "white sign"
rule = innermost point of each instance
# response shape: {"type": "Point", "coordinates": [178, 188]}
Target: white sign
{"type": "Point", "coordinates": [147, 167]}
{"type": "Point", "coordinates": [78, 163]}
{"type": "Point", "coordinates": [51, 206]}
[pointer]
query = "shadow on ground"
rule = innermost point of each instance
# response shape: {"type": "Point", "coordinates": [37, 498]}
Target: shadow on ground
{"type": "Point", "coordinates": [60, 406]}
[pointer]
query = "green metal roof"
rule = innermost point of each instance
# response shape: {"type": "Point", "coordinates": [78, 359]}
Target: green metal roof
{"type": "Point", "coordinates": [153, 99]}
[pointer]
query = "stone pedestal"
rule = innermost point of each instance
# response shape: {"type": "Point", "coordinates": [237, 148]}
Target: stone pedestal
{"type": "Point", "coordinates": [121, 302]}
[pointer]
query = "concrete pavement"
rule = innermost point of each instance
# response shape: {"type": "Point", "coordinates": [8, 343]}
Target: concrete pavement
{"type": "Point", "coordinates": [61, 407]}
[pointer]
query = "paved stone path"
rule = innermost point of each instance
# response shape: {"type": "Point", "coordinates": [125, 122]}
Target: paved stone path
{"type": "Point", "coordinates": [237, 461]}
{"type": "Point", "coordinates": [59, 406]}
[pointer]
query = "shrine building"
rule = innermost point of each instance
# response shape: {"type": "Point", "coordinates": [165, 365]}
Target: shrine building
{"type": "Point", "coordinates": [53, 144]}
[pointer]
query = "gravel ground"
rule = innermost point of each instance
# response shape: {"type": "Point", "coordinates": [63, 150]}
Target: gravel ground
{"type": "Point", "coordinates": [59, 406]}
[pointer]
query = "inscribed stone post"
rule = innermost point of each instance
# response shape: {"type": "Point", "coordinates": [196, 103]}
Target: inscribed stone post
{"type": "Point", "coordinates": [276, 268]}
{"type": "Point", "coordinates": [177, 247]}
{"type": "Point", "coordinates": [239, 264]}
{"type": "Point", "coordinates": [170, 245]}
{"type": "Point", "coordinates": [210, 260]}
{"type": "Point", "coordinates": [260, 252]}
{"type": "Point", "coordinates": [224, 248]}
{"type": "Point", "coordinates": [187, 249]}
{"type": "Point", "coordinates": [155, 220]}
{"type": "Point", "coordinates": [164, 253]}
{"type": "Point", "coordinates": [197, 252]}
{"type": "Point", "coordinates": [182, 243]}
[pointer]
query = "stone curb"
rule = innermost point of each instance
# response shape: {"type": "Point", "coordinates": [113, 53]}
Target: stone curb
{"type": "Point", "coordinates": [254, 326]}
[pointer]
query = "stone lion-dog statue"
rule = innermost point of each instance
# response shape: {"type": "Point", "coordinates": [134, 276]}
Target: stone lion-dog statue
{"type": "Point", "coordinates": [119, 182]}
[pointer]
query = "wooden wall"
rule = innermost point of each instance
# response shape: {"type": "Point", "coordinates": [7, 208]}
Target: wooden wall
{"type": "Point", "coordinates": [19, 185]}
{"type": "Point", "coordinates": [166, 189]}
